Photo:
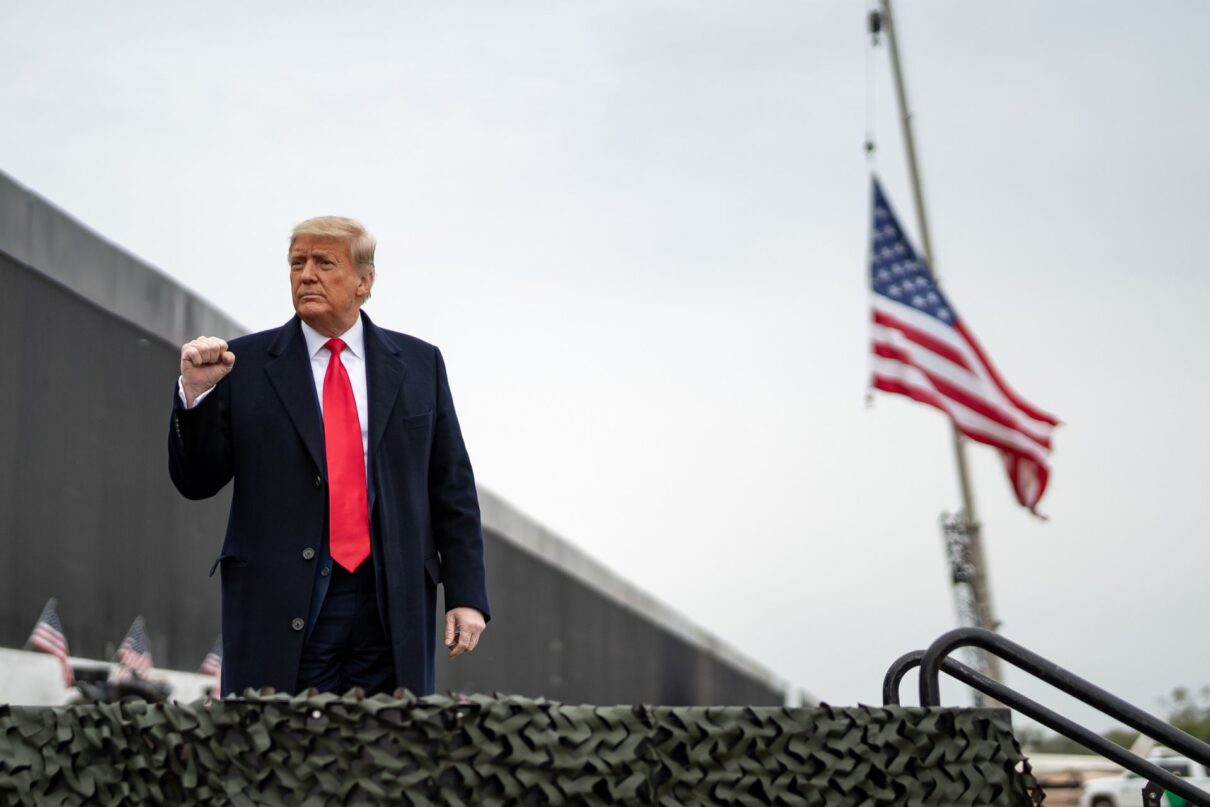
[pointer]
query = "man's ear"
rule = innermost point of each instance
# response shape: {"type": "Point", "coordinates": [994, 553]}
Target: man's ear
{"type": "Point", "coordinates": [364, 284]}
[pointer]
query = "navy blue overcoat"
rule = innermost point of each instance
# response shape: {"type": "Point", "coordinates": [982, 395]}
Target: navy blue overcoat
{"type": "Point", "coordinates": [261, 427]}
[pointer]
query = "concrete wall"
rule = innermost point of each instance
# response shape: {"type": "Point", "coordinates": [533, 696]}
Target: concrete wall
{"type": "Point", "coordinates": [87, 513]}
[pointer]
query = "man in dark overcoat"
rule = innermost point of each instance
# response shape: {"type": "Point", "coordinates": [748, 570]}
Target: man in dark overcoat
{"type": "Point", "coordinates": [353, 493]}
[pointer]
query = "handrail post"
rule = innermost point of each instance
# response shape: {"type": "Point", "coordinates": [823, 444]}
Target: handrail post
{"type": "Point", "coordinates": [894, 676]}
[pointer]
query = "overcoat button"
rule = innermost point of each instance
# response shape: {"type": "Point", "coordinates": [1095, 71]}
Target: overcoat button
{"type": "Point", "coordinates": [319, 483]}
{"type": "Point", "coordinates": [308, 553]}
{"type": "Point", "coordinates": [325, 571]}
{"type": "Point", "coordinates": [297, 624]}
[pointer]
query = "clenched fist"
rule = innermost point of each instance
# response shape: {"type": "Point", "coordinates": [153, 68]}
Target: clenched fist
{"type": "Point", "coordinates": [204, 362]}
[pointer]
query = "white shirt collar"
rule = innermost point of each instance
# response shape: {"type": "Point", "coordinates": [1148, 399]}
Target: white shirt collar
{"type": "Point", "coordinates": [354, 339]}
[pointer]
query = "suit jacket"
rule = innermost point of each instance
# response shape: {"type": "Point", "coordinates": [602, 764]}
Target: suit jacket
{"type": "Point", "coordinates": [262, 428]}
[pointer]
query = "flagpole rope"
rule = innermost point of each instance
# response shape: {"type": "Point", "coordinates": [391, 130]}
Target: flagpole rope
{"type": "Point", "coordinates": [874, 28]}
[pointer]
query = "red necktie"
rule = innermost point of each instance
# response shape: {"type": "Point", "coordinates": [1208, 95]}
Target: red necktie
{"type": "Point", "coordinates": [348, 511]}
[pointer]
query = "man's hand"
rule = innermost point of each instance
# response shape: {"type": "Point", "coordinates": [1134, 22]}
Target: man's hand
{"type": "Point", "coordinates": [204, 362]}
{"type": "Point", "coordinates": [462, 629]}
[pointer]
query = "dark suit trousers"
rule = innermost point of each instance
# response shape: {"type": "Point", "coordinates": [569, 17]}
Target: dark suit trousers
{"type": "Point", "coordinates": [347, 647]}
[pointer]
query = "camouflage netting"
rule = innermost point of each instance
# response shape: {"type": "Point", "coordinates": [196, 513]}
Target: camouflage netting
{"type": "Point", "coordinates": [485, 750]}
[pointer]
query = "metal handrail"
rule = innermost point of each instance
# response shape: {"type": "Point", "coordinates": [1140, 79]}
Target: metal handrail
{"type": "Point", "coordinates": [935, 659]}
{"type": "Point", "coordinates": [1056, 676]}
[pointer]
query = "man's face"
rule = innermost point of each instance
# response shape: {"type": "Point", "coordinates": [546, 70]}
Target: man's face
{"type": "Point", "coordinates": [327, 288]}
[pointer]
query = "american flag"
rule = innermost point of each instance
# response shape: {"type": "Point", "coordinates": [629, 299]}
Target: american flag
{"type": "Point", "coordinates": [48, 637]}
{"type": "Point", "coordinates": [134, 655]}
{"type": "Point", "coordinates": [213, 665]}
{"type": "Point", "coordinates": [923, 350]}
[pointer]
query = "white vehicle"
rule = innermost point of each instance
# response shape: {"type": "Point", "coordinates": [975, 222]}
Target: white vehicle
{"type": "Point", "coordinates": [1127, 790]}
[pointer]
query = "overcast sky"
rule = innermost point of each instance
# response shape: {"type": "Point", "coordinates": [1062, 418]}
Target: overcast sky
{"type": "Point", "coordinates": [637, 230]}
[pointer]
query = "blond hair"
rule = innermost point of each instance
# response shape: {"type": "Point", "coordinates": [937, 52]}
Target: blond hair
{"type": "Point", "coordinates": [361, 243]}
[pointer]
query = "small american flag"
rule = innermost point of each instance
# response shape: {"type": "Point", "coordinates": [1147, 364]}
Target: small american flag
{"type": "Point", "coordinates": [213, 665]}
{"type": "Point", "coordinates": [134, 655]}
{"type": "Point", "coordinates": [922, 350]}
{"type": "Point", "coordinates": [48, 637]}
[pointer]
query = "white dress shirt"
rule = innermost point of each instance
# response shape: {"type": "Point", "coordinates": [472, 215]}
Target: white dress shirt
{"type": "Point", "coordinates": [353, 357]}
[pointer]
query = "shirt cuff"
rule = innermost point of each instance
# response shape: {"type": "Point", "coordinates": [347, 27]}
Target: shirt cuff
{"type": "Point", "coordinates": [180, 391]}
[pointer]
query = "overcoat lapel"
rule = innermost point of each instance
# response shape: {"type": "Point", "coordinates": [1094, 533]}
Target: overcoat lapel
{"type": "Point", "coordinates": [384, 376]}
{"type": "Point", "coordinates": [290, 373]}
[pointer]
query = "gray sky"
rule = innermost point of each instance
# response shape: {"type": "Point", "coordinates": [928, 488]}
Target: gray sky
{"type": "Point", "coordinates": [637, 230]}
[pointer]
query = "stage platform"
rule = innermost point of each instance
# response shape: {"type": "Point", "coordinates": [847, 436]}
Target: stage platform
{"type": "Point", "coordinates": [451, 750]}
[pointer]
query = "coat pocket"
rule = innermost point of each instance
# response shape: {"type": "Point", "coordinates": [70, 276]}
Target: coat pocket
{"type": "Point", "coordinates": [432, 565]}
{"type": "Point", "coordinates": [422, 421]}
{"type": "Point", "coordinates": [226, 557]}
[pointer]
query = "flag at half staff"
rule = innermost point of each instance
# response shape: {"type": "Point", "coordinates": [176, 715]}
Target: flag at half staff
{"type": "Point", "coordinates": [134, 654]}
{"type": "Point", "coordinates": [48, 637]}
{"type": "Point", "coordinates": [924, 351]}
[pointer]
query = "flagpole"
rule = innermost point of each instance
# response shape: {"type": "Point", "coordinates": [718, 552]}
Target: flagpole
{"type": "Point", "coordinates": [979, 584]}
